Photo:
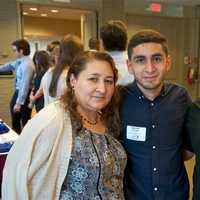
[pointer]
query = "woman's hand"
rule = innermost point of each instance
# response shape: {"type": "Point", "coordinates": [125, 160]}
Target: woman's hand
{"type": "Point", "coordinates": [32, 97]}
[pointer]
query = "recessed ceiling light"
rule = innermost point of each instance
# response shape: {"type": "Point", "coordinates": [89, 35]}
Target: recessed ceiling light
{"type": "Point", "coordinates": [64, 1]}
{"type": "Point", "coordinates": [25, 13]}
{"type": "Point", "coordinates": [33, 9]}
{"type": "Point", "coordinates": [43, 14]}
{"type": "Point", "coordinates": [54, 11]}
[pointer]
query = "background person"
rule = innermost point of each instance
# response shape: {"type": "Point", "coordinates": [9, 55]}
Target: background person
{"type": "Point", "coordinates": [53, 84]}
{"type": "Point", "coordinates": [114, 37]}
{"type": "Point", "coordinates": [52, 49]}
{"type": "Point", "coordinates": [192, 125]}
{"type": "Point", "coordinates": [24, 70]}
{"type": "Point", "coordinates": [152, 115]}
{"type": "Point", "coordinates": [41, 60]}
{"type": "Point", "coordinates": [94, 44]}
{"type": "Point", "coordinates": [71, 152]}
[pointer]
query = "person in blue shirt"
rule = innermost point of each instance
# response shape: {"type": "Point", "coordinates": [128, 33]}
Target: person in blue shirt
{"type": "Point", "coordinates": [152, 114]}
{"type": "Point", "coordinates": [24, 71]}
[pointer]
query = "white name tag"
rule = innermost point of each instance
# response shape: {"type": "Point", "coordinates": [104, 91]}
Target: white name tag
{"type": "Point", "coordinates": [136, 133]}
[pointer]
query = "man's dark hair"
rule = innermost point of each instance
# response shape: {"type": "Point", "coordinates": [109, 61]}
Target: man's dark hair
{"type": "Point", "coordinates": [22, 44]}
{"type": "Point", "coordinates": [114, 35]}
{"type": "Point", "coordinates": [94, 43]}
{"type": "Point", "coordinates": [147, 36]}
{"type": "Point", "coordinates": [52, 45]}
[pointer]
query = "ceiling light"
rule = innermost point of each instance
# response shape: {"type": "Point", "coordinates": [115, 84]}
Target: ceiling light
{"type": "Point", "coordinates": [33, 9]}
{"type": "Point", "coordinates": [43, 14]}
{"type": "Point", "coordinates": [25, 13]}
{"type": "Point", "coordinates": [64, 1]}
{"type": "Point", "coordinates": [54, 11]}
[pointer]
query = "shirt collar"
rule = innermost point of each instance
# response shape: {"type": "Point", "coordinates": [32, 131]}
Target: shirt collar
{"type": "Point", "coordinates": [134, 88]}
{"type": "Point", "coordinates": [22, 58]}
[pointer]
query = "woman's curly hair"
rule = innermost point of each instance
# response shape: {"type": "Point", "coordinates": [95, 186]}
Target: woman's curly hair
{"type": "Point", "coordinates": [110, 114]}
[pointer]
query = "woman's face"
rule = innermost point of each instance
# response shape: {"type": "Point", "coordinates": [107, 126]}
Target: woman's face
{"type": "Point", "coordinates": [94, 86]}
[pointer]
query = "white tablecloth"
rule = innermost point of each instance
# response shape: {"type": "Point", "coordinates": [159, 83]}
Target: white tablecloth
{"type": "Point", "coordinates": [7, 139]}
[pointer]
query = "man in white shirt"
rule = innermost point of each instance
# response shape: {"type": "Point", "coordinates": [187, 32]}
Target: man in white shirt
{"type": "Point", "coordinates": [114, 37]}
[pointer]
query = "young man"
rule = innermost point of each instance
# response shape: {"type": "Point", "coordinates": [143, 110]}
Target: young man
{"type": "Point", "coordinates": [114, 37]}
{"type": "Point", "coordinates": [24, 70]}
{"type": "Point", "coordinates": [152, 116]}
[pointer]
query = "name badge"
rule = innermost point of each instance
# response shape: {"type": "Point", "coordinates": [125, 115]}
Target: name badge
{"type": "Point", "coordinates": [136, 133]}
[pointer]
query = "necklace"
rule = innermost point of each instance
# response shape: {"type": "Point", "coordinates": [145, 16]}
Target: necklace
{"type": "Point", "coordinates": [88, 121]}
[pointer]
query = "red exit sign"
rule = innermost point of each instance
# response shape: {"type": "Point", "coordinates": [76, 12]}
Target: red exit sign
{"type": "Point", "coordinates": [155, 7]}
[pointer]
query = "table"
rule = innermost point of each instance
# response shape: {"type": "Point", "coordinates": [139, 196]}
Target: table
{"type": "Point", "coordinates": [6, 141]}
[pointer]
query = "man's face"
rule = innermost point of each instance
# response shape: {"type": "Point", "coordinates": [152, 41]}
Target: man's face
{"type": "Point", "coordinates": [18, 53]}
{"type": "Point", "coordinates": [149, 64]}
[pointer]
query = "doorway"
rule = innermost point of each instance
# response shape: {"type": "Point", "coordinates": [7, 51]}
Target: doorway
{"type": "Point", "coordinates": [44, 24]}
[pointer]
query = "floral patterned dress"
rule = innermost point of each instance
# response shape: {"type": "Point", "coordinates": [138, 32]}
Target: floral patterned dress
{"type": "Point", "coordinates": [96, 168]}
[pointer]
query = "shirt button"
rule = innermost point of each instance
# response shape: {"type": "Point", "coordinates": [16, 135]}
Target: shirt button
{"type": "Point", "coordinates": [152, 104]}
{"type": "Point", "coordinates": [155, 189]}
{"type": "Point", "coordinates": [140, 97]}
{"type": "Point", "coordinates": [153, 126]}
{"type": "Point", "coordinates": [154, 169]}
{"type": "Point", "coordinates": [153, 147]}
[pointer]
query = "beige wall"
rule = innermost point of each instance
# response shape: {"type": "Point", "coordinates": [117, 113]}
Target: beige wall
{"type": "Point", "coordinates": [10, 31]}
{"type": "Point", "coordinates": [6, 92]}
{"type": "Point", "coordinates": [38, 26]}
{"type": "Point", "coordinates": [10, 27]}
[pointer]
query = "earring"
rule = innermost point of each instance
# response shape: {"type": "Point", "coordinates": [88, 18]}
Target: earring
{"type": "Point", "coordinates": [72, 90]}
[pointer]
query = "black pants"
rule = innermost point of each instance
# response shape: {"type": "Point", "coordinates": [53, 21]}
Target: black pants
{"type": "Point", "coordinates": [19, 119]}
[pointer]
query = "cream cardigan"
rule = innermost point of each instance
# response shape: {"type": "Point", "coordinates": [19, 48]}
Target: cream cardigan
{"type": "Point", "coordinates": [37, 164]}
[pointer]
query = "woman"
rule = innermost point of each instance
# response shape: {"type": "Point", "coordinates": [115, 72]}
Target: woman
{"type": "Point", "coordinates": [193, 137]}
{"type": "Point", "coordinates": [53, 84]}
{"type": "Point", "coordinates": [41, 60]}
{"type": "Point", "coordinates": [52, 50]}
{"type": "Point", "coordinates": [71, 152]}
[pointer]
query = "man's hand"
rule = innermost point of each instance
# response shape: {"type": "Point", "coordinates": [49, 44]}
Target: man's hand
{"type": "Point", "coordinates": [17, 108]}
